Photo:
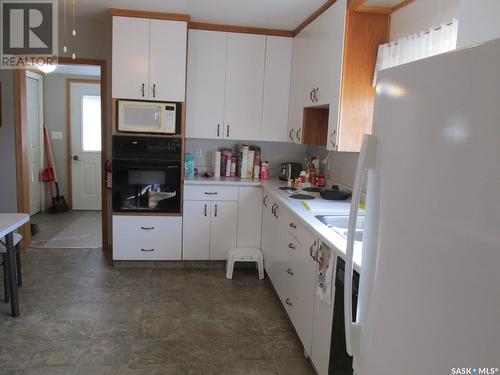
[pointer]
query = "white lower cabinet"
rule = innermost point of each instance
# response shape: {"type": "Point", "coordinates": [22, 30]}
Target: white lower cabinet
{"type": "Point", "coordinates": [196, 230]}
{"type": "Point", "coordinates": [290, 267]}
{"type": "Point", "coordinates": [147, 237]}
{"type": "Point", "coordinates": [219, 218]}
{"type": "Point", "coordinates": [223, 227]}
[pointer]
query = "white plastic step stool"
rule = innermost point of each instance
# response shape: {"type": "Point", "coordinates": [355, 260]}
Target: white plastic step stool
{"type": "Point", "coordinates": [244, 254]}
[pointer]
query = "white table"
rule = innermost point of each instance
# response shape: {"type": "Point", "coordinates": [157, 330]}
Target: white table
{"type": "Point", "coordinates": [8, 224]}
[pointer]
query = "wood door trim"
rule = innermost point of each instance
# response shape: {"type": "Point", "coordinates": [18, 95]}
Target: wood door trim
{"type": "Point", "coordinates": [21, 141]}
{"type": "Point", "coordinates": [240, 29]}
{"type": "Point", "coordinates": [69, 151]}
{"type": "Point", "coordinates": [376, 10]}
{"type": "Point", "coordinates": [20, 115]}
{"type": "Point", "coordinates": [151, 15]}
{"type": "Point", "coordinates": [402, 5]}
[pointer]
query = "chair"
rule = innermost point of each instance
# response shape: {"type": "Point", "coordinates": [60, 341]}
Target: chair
{"type": "Point", "coordinates": [244, 255]}
{"type": "Point", "coordinates": [3, 250]}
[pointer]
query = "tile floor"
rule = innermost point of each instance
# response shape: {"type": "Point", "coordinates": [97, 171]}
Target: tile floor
{"type": "Point", "coordinates": [80, 315]}
{"type": "Point", "coordinates": [72, 229]}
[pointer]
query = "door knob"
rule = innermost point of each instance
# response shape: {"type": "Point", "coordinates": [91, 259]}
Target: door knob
{"type": "Point", "coordinates": [76, 158]}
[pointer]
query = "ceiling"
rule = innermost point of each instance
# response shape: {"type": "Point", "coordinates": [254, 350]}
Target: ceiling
{"type": "Point", "coordinates": [276, 14]}
{"type": "Point", "coordinates": [79, 70]}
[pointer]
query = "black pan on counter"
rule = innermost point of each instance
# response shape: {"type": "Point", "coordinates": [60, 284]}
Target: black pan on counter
{"type": "Point", "coordinates": [335, 194]}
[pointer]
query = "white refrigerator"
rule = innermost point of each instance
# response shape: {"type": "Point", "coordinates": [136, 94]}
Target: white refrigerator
{"type": "Point", "coordinates": [429, 298]}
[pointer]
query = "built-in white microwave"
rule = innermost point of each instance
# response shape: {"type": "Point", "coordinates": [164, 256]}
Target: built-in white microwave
{"type": "Point", "coordinates": [148, 117]}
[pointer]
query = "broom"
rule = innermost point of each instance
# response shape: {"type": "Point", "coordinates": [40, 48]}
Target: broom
{"type": "Point", "coordinates": [49, 174]}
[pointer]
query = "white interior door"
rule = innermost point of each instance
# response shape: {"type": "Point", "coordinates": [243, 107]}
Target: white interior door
{"type": "Point", "coordinates": [86, 145]}
{"type": "Point", "coordinates": [34, 103]}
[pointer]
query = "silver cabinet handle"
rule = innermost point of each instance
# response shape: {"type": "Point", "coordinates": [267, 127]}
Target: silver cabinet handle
{"type": "Point", "coordinates": [311, 95]}
{"type": "Point", "coordinates": [227, 132]}
{"type": "Point", "coordinates": [142, 90]}
{"type": "Point", "coordinates": [290, 135]}
{"type": "Point", "coordinates": [205, 210]}
{"type": "Point", "coordinates": [147, 228]}
{"type": "Point", "coordinates": [292, 225]}
{"type": "Point", "coordinates": [147, 250]}
{"type": "Point", "coordinates": [287, 301]}
{"type": "Point", "coordinates": [289, 271]}
{"type": "Point", "coordinates": [273, 208]}
{"type": "Point", "coordinates": [218, 130]}
{"type": "Point", "coordinates": [154, 90]}
{"type": "Point", "coordinates": [331, 140]}
{"type": "Point", "coordinates": [210, 193]}
{"type": "Point", "coordinates": [264, 201]}
{"type": "Point", "coordinates": [298, 135]}
{"type": "Point", "coordinates": [276, 211]}
{"type": "Point", "coordinates": [311, 250]}
{"type": "Point", "coordinates": [315, 94]}
{"type": "Point", "coordinates": [291, 246]}
{"type": "Point", "coordinates": [215, 214]}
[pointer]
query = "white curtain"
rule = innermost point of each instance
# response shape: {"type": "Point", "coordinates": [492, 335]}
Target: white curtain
{"type": "Point", "coordinates": [417, 46]}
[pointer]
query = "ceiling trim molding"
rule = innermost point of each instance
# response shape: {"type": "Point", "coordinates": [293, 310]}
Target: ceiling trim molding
{"type": "Point", "coordinates": [376, 10]}
{"type": "Point", "coordinates": [239, 29]}
{"type": "Point", "coordinates": [402, 5]}
{"type": "Point", "coordinates": [313, 16]}
{"type": "Point", "coordinates": [151, 15]}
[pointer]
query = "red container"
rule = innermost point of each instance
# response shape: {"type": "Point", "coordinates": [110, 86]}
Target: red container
{"type": "Point", "coordinates": [321, 180]}
{"type": "Point", "coordinates": [265, 171]}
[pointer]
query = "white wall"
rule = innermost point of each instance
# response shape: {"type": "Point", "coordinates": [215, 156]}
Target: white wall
{"type": "Point", "coordinates": [422, 15]}
{"type": "Point", "coordinates": [274, 152]}
{"type": "Point", "coordinates": [54, 110]}
{"type": "Point", "coordinates": [478, 21]}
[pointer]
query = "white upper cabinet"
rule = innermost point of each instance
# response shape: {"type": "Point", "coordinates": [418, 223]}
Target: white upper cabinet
{"type": "Point", "coordinates": [130, 58]}
{"type": "Point", "coordinates": [167, 60]}
{"type": "Point", "coordinates": [278, 67]}
{"type": "Point", "coordinates": [244, 86]}
{"type": "Point", "coordinates": [149, 59]}
{"type": "Point", "coordinates": [206, 79]}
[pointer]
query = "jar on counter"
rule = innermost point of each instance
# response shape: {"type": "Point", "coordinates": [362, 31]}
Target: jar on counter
{"type": "Point", "coordinates": [321, 180]}
{"type": "Point", "coordinates": [265, 171]}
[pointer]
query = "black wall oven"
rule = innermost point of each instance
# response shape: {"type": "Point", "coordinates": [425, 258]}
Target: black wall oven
{"type": "Point", "coordinates": [146, 174]}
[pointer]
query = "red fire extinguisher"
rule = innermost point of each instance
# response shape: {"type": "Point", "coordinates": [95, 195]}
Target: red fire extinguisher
{"type": "Point", "coordinates": [109, 174]}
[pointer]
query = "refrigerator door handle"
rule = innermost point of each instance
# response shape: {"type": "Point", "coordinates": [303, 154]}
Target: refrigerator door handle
{"type": "Point", "coordinates": [366, 161]}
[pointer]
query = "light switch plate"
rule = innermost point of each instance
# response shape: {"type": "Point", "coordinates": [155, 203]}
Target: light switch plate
{"type": "Point", "coordinates": [56, 135]}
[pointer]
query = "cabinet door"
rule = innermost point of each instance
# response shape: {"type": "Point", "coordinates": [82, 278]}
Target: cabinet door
{"type": "Point", "coordinates": [223, 227]}
{"type": "Point", "coordinates": [339, 14]}
{"type": "Point", "coordinates": [130, 73]}
{"type": "Point", "coordinates": [196, 231]}
{"type": "Point", "coordinates": [167, 60]}
{"type": "Point", "coordinates": [244, 86]}
{"type": "Point", "coordinates": [249, 217]}
{"type": "Point", "coordinates": [276, 88]}
{"type": "Point", "coordinates": [267, 228]}
{"type": "Point", "coordinates": [303, 285]}
{"type": "Point", "coordinates": [206, 84]}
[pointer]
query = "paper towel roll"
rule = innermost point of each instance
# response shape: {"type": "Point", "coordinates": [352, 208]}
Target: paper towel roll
{"type": "Point", "coordinates": [217, 160]}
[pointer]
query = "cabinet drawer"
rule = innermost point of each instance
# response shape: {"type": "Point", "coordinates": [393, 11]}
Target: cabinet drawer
{"type": "Point", "coordinates": [210, 193]}
{"type": "Point", "coordinates": [127, 249]}
{"type": "Point", "coordinates": [147, 228]}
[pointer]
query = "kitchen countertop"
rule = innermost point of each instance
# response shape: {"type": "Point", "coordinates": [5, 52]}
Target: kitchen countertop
{"type": "Point", "coordinates": [307, 217]}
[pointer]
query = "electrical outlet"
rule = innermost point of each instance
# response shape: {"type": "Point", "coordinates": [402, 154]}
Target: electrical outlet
{"type": "Point", "coordinates": [198, 153]}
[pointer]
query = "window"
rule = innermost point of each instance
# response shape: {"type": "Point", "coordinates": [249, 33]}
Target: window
{"type": "Point", "coordinates": [91, 123]}
{"type": "Point", "coordinates": [414, 47]}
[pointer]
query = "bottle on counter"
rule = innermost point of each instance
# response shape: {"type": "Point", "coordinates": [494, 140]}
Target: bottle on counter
{"type": "Point", "coordinates": [189, 166]}
{"type": "Point", "coordinates": [265, 171]}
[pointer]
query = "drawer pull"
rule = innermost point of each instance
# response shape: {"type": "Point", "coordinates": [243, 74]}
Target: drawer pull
{"type": "Point", "coordinates": [210, 193]}
{"type": "Point", "coordinates": [287, 301]}
{"type": "Point", "coordinates": [291, 246]}
{"type": "Point", "coordinates": [311, 249]}
{"type": "Point", "coordinates": [289, 271]}
{"type": "Point", "coordinates": [147, 228]}
{"type": "Point", "coordinates": [147, 250]}
{"type": "Point", "coordinates": [292, 225]}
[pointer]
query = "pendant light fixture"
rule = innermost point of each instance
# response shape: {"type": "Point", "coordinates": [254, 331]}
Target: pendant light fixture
{"type": "Point", "coordinates": [73, 31]}
{"type": "Point", "coordinates": [65, 47]}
